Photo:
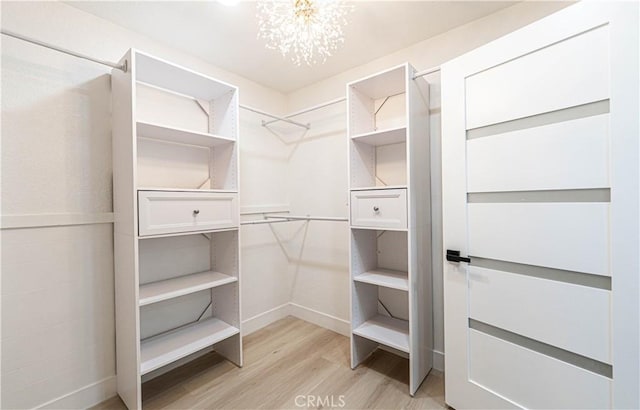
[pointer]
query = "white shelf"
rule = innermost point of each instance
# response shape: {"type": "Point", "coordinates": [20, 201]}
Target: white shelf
{"type": "Point", "coordinates": [179, 136]}
{"type": "Point", "coordinates": [183, 285]}
{"type": "Point", "coordinates": [387, 331]}
{"type": "Point", "coordinates": [164, 74]}
{"type": "Point", "coordinates": [169, 347]}
{"type": "Point", "coordinates": [370, 188]}
{"type": "Point", "coordinates": [384, 277]}
{"type": "Point", "coordinates": [222, 191]}
{"type": "Point", "coordinates": [382, 137]}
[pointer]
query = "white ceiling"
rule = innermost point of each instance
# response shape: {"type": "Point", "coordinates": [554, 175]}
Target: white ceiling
{"type": "Point", "coordinates": [226, 36]}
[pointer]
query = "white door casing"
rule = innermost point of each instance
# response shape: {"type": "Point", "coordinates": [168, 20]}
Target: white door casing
{"type": "Point", "coordinates": [540, 189]}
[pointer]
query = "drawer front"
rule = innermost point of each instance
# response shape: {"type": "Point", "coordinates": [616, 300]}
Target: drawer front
{"type": "Point", "coordinates": [163, 212]}
{"type": "Point", "coordinates": [380, 208]}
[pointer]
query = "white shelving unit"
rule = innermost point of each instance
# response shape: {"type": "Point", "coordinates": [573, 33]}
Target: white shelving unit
{"type": "Point", "coordinates": [176, 236]}
{"type": "Point", "coordinates": [390, 222]}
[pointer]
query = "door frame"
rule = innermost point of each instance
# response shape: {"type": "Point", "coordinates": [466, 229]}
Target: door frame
{"type": "Point", "coordinates": [622, 18]}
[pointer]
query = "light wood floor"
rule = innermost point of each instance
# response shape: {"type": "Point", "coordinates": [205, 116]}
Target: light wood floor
{"type": "Point", "coordinates": [285, 360]}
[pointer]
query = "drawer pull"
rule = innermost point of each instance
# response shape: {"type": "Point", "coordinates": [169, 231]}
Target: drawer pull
{"type": "Point", "coordinates": [196, 211]}
{"type": "Point", "coordinates": [376, 209]}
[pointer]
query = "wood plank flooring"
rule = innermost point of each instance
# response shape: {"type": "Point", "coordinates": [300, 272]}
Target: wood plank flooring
{"type": "Point", "coordinates": [290, 364]}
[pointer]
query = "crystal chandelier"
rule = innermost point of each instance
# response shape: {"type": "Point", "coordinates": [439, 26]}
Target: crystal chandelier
{"type": "Point", "coordinates": [308, 30]}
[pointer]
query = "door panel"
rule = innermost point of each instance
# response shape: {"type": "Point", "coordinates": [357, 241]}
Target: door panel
{"type": "Point", "coordinates": [540, 189]}
{"type": "Point", "coordinates": [520, 160]}
{"type": "Point", "coordinates": [569, 236]}
{"type": "Point", "coordinates": [532, 380]}
{"type": "Point", "coordinates": [571, 72]}
{"type": "Point", "coordinates": [565, 315]}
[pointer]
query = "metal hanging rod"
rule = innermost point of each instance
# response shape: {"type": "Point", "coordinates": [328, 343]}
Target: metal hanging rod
{"type": "Point", "coordinates": [257, 111]}
{"type": "Point", "coordinates": [274, 219]}
{"type": "Point", "coordinates": [122, 67]}
{"type": "Point", "coordinates": [307, 218]}
{"type": "Point", "coordinates": [310, 109]}
{"type": "Point", "coordinates": [262, 222]}
{"type": "Point", "coordinates": [426, 72]}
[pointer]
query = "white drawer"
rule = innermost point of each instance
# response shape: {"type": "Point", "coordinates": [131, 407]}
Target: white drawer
{"type": "Point", "coordinates": [379, 208]}
{"type": "Point", "coordinates": [165, 212]}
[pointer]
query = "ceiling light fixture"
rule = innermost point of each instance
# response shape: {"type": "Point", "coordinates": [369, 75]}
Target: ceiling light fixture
{"type": "Point", "coordinates": [308, 30]}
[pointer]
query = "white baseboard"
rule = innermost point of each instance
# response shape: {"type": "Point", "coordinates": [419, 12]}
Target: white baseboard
{"type": "Point", "coordinates": [263, 319]}
{"type": "Point", "coordinates": [321, 319]}
{"type": "Point", "coordinates": [438, 360]}
{"type": "Point", "coordinates": [84, 397]}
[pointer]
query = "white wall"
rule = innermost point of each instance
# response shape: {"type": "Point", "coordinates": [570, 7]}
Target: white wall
{"type": "Point", "coordinates": [57, 282]}
{"type": "Point", "coordinates": [318, 166]}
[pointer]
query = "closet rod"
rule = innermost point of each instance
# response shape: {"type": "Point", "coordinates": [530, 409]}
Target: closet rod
{"type": "Point", "coordinates": [314, 108]}
{"type": "Point", "coordinates": [307, 218]}
{"type": "Point", "coordinates": [257, 111]}
{"type": "Point", "coordinates": [262, 221]}
{"type": "Point", "coordinates": [426, 72]}
{"type": "Point", "coordinates": [122, 67]}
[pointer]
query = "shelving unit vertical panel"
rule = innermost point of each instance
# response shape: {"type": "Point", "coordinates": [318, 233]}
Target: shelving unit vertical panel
{"type": "Point", "coordinates": [223, 115]}
{"type": "Point", "coordinates": [363, 164]}
{"type": "Point", "coordinates": [125, 235]}
{"type": "Point", "coordinates": [224, 177]}
{"type": "Point", "coordinates": [364, 297]}
{"type": "Point", "coordinates": [224, 120]}
{"type": "Point", "coordinates": [419, 208]}
{"type": "Point", "coordinates": [226, 303]}
{"type": "Point", "coordinates": [361, 112]}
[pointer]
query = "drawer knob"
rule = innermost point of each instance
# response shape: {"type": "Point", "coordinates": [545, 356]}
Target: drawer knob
{"type": "Point", "coordinates": [376, 209]}
{"type": "Point", "coordinates": [196, 211]}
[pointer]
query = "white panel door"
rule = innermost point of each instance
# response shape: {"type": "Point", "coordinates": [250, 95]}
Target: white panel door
{"type": "Point", "coordinates": [541, 223]}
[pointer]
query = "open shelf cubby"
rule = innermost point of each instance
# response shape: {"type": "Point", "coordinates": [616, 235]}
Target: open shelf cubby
{"type": "Point", "coordinates": [386, 330]}
{"type": "Point", "coordinates": [168, 347]}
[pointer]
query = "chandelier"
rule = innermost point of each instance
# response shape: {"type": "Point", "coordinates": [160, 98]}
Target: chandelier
{"type": "Point", "coordinates": [307, 30]}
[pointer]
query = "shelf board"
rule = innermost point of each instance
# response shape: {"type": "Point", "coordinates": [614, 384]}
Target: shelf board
{"type": "Point", "coordinates": [179, 136]}
{"type": "Point", "coordinates": [386, 278]}
{"type": "Point", "coordinates": [183, 285]}
{"type": "Point", "coordinates": [378, 228]}
{"type": "Point", "coordinates": [373, 188]}
{"type": "Point", "coordinates": [197, 232]}
{"type": "Point", "coordinates": [166, 348]}
{"type": "Point", "coordinates": [387, 331]}
{"type": "Point", "coordinates": [382, 137]}
{"type": "Point", "coordinates": [164, 74]}
{"type": "Point", "coordinates": [222, 191]}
